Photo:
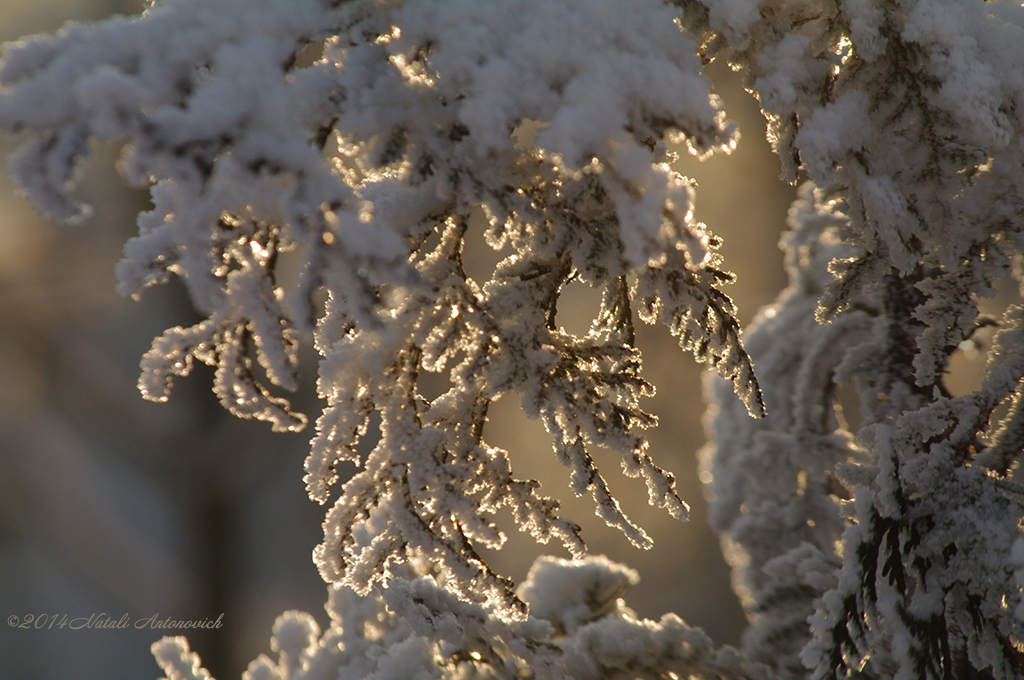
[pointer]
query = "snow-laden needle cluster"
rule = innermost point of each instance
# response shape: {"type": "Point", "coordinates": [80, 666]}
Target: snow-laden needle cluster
{"type": "Point", "coordinates": [362, 137]}
{"type": "Point", "coordinates": [416, 629]}
{"type": "Point", "coordinates": [891, 532]}
{"type": "Point", "coordinates": [365, 138]}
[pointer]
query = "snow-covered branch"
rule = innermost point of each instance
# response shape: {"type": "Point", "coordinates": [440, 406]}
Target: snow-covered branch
{"type": "Point", "coordinates": [363, 139]}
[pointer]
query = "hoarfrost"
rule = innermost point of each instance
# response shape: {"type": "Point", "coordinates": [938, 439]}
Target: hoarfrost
{"type": "Point", "coordinates": [886, 545]}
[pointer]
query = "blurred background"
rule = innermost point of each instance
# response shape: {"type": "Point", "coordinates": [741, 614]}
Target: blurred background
{"type": "Point", "coordinates": [111, 505]}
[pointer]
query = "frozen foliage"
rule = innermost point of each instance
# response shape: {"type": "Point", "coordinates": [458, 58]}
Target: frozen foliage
{"type": "Point", "coordinates": [362, 138]}
{"type": "Point", "coordinates": [368, 163]}
{"type": "Point", "coordinates": [416, 630]}
{"type": "Point", "coordinates": [901, 540]}
{"type": "Point", "coordinates": [773, 481]}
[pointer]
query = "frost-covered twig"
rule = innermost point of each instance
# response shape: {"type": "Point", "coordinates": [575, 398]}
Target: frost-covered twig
{"type": "Point", "coordinates": [365, 136]}
{"type": "Point", "coordinates": [368, 164]}
{"type": "Point", "coordinates": [906, 117]}
{"type": "Point", "coordinates": [415, 629]}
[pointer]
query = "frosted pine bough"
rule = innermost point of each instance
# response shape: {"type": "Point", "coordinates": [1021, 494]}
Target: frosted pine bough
{"type": "Point", "coordinates": [892, 551]}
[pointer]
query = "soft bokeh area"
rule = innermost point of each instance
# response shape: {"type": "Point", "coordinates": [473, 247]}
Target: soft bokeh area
{"type": "Point", "coordinates": [111, 505]}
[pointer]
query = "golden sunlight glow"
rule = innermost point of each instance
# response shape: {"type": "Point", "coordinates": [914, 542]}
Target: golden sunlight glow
{"type": "Point", "coordinates": [844, 49]}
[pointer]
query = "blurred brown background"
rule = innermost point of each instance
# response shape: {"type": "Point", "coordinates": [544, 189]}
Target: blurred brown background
{"type": "Point", "coordinates": [113, 505]}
